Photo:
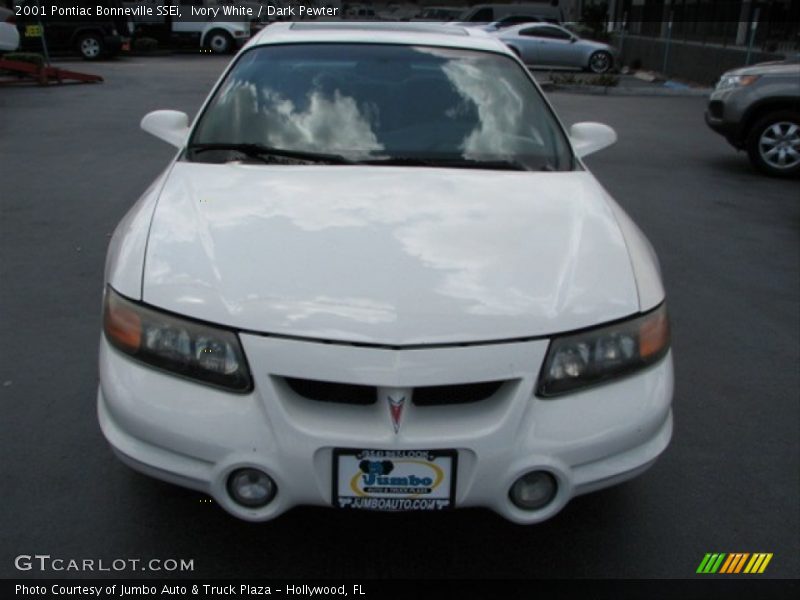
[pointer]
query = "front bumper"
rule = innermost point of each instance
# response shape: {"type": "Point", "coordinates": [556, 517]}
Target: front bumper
{"type": "Point", "coordinates": [723, 115]}
{"type": "Point", "coordinates": [730, 131]}
{"type": "Point", "coordinates": [195, 436]}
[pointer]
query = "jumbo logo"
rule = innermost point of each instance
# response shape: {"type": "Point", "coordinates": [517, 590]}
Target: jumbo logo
{"type": "Point", "coordinates": [407, 477]}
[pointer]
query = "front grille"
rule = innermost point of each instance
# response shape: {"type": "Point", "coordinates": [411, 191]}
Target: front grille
{"type": "Point", "coordinates": [434, 395]}
{"type": "Point", "coordinates": [466, 393]}
{"type": "Point", "coordinates": [328, 391]}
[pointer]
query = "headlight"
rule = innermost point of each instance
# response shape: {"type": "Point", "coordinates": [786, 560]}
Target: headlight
{"type": "Point", "coordinates": [593, 356]}
{"type": "Point", "coordinates": [189, 348]}
{"type": "Point", "coordinates": [730, 81]}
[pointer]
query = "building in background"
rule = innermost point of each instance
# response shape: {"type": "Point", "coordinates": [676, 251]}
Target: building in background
{"type": "Point", "coordinates": [700, 39]}
{"type": "Point", "coordinates": [571, 9]}
{"type": "Point", "coordinates": [726, 22]}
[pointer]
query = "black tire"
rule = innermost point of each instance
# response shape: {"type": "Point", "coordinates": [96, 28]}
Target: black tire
{"type": "Point", "coordinates": [600, 62]}
{"type": "Point", "coordinates": [781, 157]}
{"type": "Point", "coordinates": [90, 46]}
{"type": "Point", "coordinates": [219, 41]}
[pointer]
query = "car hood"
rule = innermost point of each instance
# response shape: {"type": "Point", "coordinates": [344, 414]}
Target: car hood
{"type": "Point", "coordinates": [769, 68]}
{"type": "Point", "coordinates": [387, 255]}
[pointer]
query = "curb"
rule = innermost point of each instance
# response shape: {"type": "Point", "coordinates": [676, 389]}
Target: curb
{"type": "Point", "coordinates": [590, 90]}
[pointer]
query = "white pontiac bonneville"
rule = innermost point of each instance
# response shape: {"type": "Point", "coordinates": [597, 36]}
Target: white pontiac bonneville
{"type": "Point", "coordinates": [377, 275]}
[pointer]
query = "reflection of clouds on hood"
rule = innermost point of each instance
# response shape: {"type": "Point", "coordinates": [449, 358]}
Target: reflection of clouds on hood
{"type": "Point", "coordinates": [331, 124]}
{"type": "Point", "coordinates": [446, 221]}
{"type": "Point", "coordinates": [364, 310]}
{"type": "Point", "coordinates": [385, 254]}
{"type": "Point", "coordinates": [500, 109]}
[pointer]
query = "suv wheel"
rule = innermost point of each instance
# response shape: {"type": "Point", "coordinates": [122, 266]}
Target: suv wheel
{"type": "Point", "coordinates": [90, 45]}
{"type": "Point", "coordinates": [219, 42]}
{"type": "Point", "coordinates": [774, 144]}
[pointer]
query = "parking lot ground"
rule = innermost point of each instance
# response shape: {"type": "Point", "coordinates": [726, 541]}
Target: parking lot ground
{"type": "Point", "coordinates": [73, 160]}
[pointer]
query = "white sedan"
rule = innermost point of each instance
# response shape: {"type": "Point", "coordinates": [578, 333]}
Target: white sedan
{"type": "Point", "coordinates": [377, 275]}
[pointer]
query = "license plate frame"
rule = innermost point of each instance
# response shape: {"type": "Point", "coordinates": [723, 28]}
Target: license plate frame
{"type": "Point", "coordinates": [370, 493]}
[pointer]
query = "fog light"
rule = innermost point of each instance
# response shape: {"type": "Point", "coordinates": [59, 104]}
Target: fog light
{"type": "Point", "coordinates": [533, 490]}
{"type": "Point", "coordinates": [251, 487]}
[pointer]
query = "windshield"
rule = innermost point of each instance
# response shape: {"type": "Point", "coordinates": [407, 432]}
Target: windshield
{"type": "Point", "coordinates": [380, 104]}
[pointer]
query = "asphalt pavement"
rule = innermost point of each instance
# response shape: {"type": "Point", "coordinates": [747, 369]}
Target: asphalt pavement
{"type": "Point", "coordinates": [73, 160]}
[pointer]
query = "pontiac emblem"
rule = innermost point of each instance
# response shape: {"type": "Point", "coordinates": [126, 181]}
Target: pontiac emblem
{"type": "Point", "coordinates": [396, 406]}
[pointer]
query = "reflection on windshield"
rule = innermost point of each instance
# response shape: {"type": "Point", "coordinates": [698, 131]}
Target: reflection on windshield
{"type": "Point", "coordinates": [384, 102]}
{"type": "Point", "coordinates": [500, 108]}
{"type": "Point", "coordinates": [333, 123]}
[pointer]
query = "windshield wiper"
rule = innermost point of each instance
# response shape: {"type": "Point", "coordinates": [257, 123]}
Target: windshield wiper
{"type": "Point", "coordinates": [268, 154]}
{"type": "Point", "coordinates": [449, 163]}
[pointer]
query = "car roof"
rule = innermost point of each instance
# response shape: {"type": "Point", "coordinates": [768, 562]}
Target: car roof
{"type": "Point", "coordinates": [413, 33]}
{"type": "Point", "coordinates": [532, 25]}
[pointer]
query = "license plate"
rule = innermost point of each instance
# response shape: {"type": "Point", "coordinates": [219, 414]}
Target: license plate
{"type": "Point", "coordinates": [394, 480]}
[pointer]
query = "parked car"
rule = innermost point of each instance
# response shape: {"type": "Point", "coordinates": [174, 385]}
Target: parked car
{"type": "Point", "coordinates": [510, 21]}
{"type": "Point", "coordinates": [757, 109]}
{"type": "Point", "coordinates": [400, 12]}
{"type": "Point", "coordinates": [9, 36]}
{"type": "Point", "coordinates": [92, 37]}
{"type": "Point", "coordinates": [548, 45]}
{"type": "Point", "coordinates": [213, 35]}
{"type": "Point", "coordinates": [329, 298]}
{"type": "Point", "coordinates": [220, 37]}
{"type": "Point", "coordinates": [360, 12]}
{"type": "Point", "coordinates": [263, 12]}
{"type": "Point", "coordinates": [490, 13]}
{"type": "Point", "coordinates": [439, 13]}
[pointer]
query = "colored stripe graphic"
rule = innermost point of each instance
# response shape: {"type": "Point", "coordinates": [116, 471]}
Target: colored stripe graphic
{"type": "Point", "coordinates": [703, 563]}
{"type": "Point", "coordinates": [740, 564]}
{"type": "Point", "coordinates": [734, 563]}
{"type": "Point", "coordinates": [711, 563]}
{"type": "Point", "coordinates": [758, 563]}
{"type": "Point", "coordinates": [727, 564]}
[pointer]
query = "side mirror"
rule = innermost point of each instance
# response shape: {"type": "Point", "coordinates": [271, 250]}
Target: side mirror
{"type": "Point", "coordinates": [591, 137]}
{"type": "Point", "coordinates": [573, 39]}
{"type": "Point", "coordinates": [171, 126]}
